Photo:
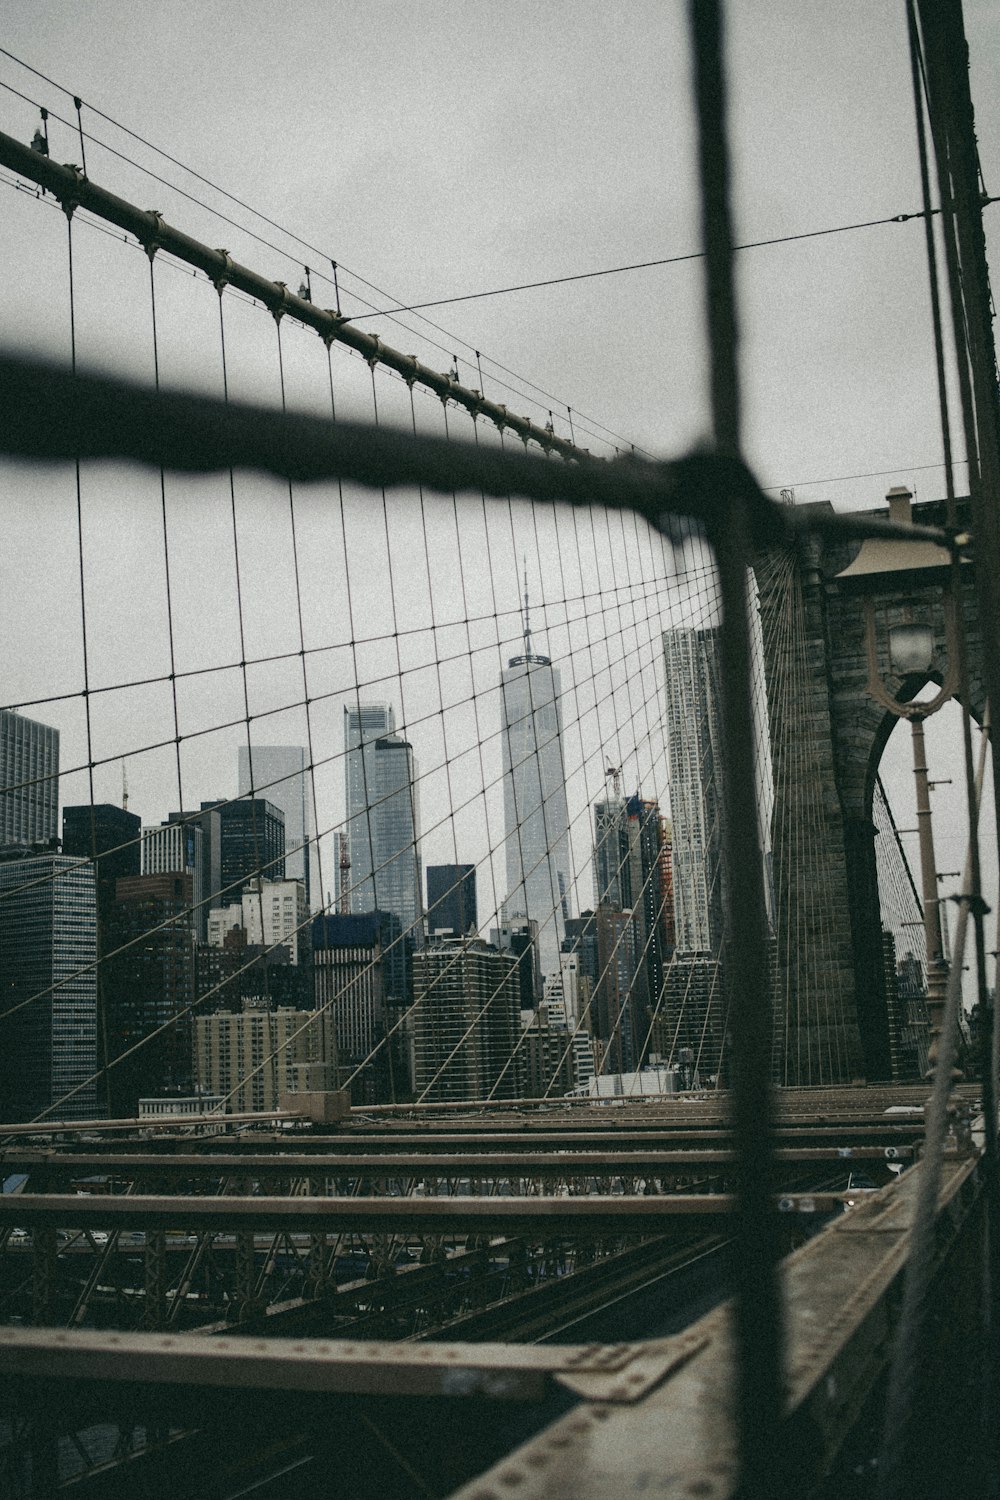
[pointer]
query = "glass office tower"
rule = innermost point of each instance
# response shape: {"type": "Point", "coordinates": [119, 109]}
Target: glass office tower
{"type": "Point", "coordinates": [382, 817]}
{"type": "Point", "coordinates": [281, 774]}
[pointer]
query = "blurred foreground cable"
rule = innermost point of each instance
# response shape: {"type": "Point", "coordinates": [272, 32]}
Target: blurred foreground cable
{"type": "Point", "coordinates": [51, 414]}
{"type": "Point", "coordinates": [759, 1388]}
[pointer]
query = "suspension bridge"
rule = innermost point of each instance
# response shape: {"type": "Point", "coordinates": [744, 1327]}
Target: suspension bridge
{"type": "Point", "coordinates": [311, 1168]}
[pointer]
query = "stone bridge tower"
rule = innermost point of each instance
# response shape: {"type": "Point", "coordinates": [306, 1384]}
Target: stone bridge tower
{"type": "Point", "coordinates": [827, 736]}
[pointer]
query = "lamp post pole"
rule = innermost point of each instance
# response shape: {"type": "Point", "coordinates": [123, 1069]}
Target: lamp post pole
{"type": "Point", "coordinates": [937, 973]}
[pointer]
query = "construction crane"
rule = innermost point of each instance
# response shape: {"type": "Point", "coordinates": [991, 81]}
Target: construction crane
{"type": "Point", "coordinates": [614, 773]}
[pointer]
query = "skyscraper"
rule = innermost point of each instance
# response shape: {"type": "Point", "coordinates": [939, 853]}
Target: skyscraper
{"type": "Point", "coordinates": [209, 825]}
{"type": "Point", "coordinates": [382, 817]}
{"type": "Point", "coordinates": [107, 833]}
{"type": "Point", "coordinates": [48, 949]}
{"type": "Point", "coordinates": [175, 848]}
{"type": "Point", "coordinates": [352, 965]}
{"type": "Point", "coordinates": [536, 820]}
{"type": "Point", "coordinates": [604, 945]}
{"type": "Point", "coordinates": [466, 1022]}
{"type": "Point", "coordinates": [611, 852]}
{"type": "Point", "coordinates": [149, 988]}
{"type": "Point", "coordinates": [631, 874]}
{"type": "Point", "coordinates": [251, 832]}
{"type": "Point", "coordinates": [693, 759]}
{"type": "Point", "coordinates": [29, 781]}
{"type": "Point", "coordinates": [281, 774]}
{"type": "Point", "coordinates": [451, 900]}
{"type": "Point", "coordinates": [693, 1015]}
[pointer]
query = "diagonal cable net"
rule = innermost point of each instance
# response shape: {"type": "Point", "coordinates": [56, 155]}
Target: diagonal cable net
{"type": "Point", "coordinates": [534, 695]}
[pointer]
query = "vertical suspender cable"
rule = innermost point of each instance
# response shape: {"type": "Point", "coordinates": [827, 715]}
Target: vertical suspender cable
{"type": "Point", "coordinates": [102, 1001]}
{"type": "Point", "coordinates": [172, 1046]}
{"type": "Point", "coordinates": [938, 64]}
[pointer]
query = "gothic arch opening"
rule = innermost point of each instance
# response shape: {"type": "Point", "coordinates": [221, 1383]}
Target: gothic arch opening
{"type": "Point", "coordinates": [891, 768]}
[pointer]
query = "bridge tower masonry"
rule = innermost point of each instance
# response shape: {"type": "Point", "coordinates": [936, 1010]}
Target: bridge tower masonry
{"type": "Point", "coordinates": [827, 738]}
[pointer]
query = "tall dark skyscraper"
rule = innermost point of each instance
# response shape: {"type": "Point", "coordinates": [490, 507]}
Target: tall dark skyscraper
{"type": "Point", "coordinates": [111, 835]}
{"type": "Point", "coordinates": [605, 944]}
{"type": "Point", "coordinates": [29, 781]}
{"type": "Point", "coordinates": [611, 852]}
{"type": "Point", "coordinates": [451, 900]}
{"type": "Point", "coordinates": [536, 819]}
{"type": "Point", "coordinates": [251, 843]}
{"type": "Point", "coordinates": [149, 987]}
{"type": "Point", "coordinates": [631, 873]}
{"type": "Point", "coordinates": [48, 949]}
{"type": "Point", "coordinates": [355, 964]}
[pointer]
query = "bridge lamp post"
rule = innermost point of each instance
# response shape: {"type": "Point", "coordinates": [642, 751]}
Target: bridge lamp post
{"type": "Point", "coordinates": [910, 581]}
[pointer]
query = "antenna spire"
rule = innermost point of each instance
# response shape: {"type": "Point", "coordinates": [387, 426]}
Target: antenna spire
{"type": "Point", "coordinates": [527, 622]}
{"type": "Point", "coordinates": [124, 788]}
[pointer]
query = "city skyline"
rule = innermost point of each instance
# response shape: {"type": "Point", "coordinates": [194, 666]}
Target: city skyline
{"type": "Point", "coordinates": [388, 778]}
{"type": "Point", "coordinates": [112, 544]}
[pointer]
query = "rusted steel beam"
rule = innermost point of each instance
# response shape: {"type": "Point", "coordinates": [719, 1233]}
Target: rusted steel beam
{"type": "Point", "coordinates": [451, 1215]}
{"type": "Point", "coordinates": [423, 1164]}
{"type": "Point", "coordinates": [882, 1133]}
{"type": "Point", "coordinates": [841, 1294]}
{"type": "Point", "coordinates": [503, 1372]}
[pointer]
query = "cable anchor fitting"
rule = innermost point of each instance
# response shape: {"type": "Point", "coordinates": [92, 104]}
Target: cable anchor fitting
{"type": "Point", "coordinates": [375, 358]}
{"type": "Point", "coordinates": [70, 200]}
{"type": "Point", "coordinates": [279, 307]}
{"type": "Point", "coordinates": [332, 334]}
{"type": "Point", "coordinates": [221, 280]}
{"type": "Point", "coordinates": [153, 241]}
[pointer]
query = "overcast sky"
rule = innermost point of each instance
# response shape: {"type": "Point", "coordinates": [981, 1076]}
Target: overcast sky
{"type": "Point", "coordinates": [437, 149]}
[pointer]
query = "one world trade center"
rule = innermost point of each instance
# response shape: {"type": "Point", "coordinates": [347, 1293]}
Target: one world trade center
{"type": "Point", "coordinates": [536, 821]}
